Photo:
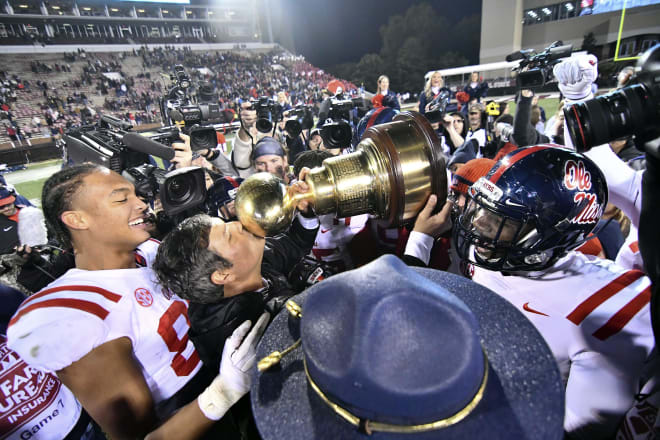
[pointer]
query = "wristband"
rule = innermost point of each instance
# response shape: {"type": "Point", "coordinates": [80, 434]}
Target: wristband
{"type": "Point", "coordinates": [212, 402]}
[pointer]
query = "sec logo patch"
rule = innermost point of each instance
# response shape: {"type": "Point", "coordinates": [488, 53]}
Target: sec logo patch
{"type": "Point", "coordinates": [143, 297]}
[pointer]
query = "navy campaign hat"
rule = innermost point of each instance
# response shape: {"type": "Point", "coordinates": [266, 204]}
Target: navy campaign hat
{"type": "Point", "coordinates": [268, 145]}
{"type": "Point", "coordinates": [392, 352]}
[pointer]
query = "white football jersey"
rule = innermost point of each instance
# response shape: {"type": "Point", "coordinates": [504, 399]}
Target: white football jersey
{"type": "Point", "coordinates": [84, 309]}
{"type": "Point", "coordinates": [33, 404]}
{"type": "Point", "coordinates": [629, 256]}
{"type": "Point", "coordinates": [334, 235]}
{"type": "Point", "coordinates": [595, 317]}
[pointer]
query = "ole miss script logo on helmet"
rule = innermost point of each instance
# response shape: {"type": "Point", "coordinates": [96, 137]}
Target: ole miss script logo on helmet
{"type": "Point", "coordinates": [143, 297]}
{"type": "Point", "coordinates": [577, 178]}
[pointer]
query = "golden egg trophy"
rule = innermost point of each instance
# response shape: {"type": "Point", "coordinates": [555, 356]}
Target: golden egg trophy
{"type": "Point", "coordinates": [395, 168]}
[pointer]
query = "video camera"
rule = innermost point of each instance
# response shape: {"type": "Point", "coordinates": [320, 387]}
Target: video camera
{"type": "Point", "coordinates": [111, 144]}
{"type": "Point", "coordinates": [438, 107]}
{"type": "Point", "coordinates": [337, 130]}
{"type": "Point", "coordinates": [298, 119]}
{"type": "Point", "coordinates": [539, 65]}
{"type": "Point", "coordinates": [632, 110]}
{"type": "Point", "coordinates": [268, 113]}
{"type": "Point", "coordinates": [180, 112]}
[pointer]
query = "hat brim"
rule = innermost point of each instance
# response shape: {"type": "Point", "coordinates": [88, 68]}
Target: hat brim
{"type": "Point", "coordinates": [524, 397]}
{"type": "Point", "coordinates": [7, 200]}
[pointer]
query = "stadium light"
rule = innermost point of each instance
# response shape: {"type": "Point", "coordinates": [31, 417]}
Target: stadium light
{"type": "Point", "coordinates": [55, 7]}
{"type": "Point", "coordinates": [140, 10]}
{"type": "Point", "coordinates": [114, 10]}
{"type": "Point", "coordinates": [87, 9]}
{"type": "Point", "coordinates": [23, 6]}
{"type": "Point", "coordinates": [165, 12]}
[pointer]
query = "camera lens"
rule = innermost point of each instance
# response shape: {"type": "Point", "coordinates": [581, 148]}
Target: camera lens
{"type": "Point", "coordinates": [337, 134]}
{"type": "Point", "coordinates": [203, 140]}
{"type": "Point", "coordinates": [600, 120]}
{"type": "Point", "coordinates": [293, 127]}
{"type": "Point", "coordinates": [179, 188]}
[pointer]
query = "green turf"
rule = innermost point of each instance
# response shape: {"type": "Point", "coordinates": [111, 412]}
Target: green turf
{"type": "Point", "coordinates": [32, 189]}
{"type": "Point", "coordinates": [46, 163]}
{"type": "Point", "coordinates": [550, 106]}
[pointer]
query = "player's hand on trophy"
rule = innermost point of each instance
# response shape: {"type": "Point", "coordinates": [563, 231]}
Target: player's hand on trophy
{"type": "Point", "coordinates": [301, 187]}
{"type": "Point", "coordinates": [434, 224]}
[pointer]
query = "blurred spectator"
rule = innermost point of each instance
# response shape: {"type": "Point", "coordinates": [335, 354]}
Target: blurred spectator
{"type": "Point", "coordinates": [434, 85]}
{"type": "Point", "coordinates": [475, 88]}
{"type": "Point", "coordinates": [383, 90]}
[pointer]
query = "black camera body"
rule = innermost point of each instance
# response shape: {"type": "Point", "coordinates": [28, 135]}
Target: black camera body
{"type": "Point", "coordinates": [268, 113]}
{"type": "Point", "coordinates": [298, 119]}
{"type": "Point", "coordinates": [337, 130]}
{"type": "Point", "coordinates": [177, 109]}
{"type": "Point", "coordinates": [539, 65]}
{"type": "Point", "coordinates": [632, 110]}
{"type": "Point", "coordinates": [146, 179]}
{"type": "Point", "coordinates": [179, 190]}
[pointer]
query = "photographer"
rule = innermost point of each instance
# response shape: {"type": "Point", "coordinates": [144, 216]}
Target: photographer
{"type": "Point", "coordinates": [524, 133]}
{"type": "Point", "coordinates": [453, 132]}
{"type": "Point", "coordinates": [239, 162]}
{"type": "Point", "coordinates": [269, 157]}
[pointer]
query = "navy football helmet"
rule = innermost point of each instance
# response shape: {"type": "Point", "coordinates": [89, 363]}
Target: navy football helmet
{"type": "Point", "coordinates": [533, 206]}
{"type": "Point", "coordinates": [376, 116]}
{"type": "Point", "coordinates": [220, 197]}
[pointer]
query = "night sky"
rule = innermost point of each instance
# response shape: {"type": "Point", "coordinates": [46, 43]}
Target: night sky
{"type": "Point", "coordinates": [329, 32]}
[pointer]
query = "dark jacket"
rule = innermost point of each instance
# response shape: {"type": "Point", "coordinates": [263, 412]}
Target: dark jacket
{"type": "Point", "coordinates": [8, 235]}
{"type": "Point", "coordinates": [477, 92]}
{"type": "Point", "coordinates": [211, 324]}
{"type": "Point", "coordinates": [524, 134]}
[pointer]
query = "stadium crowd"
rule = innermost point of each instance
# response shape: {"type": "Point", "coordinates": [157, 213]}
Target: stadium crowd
{"type": "Point", "coordinates": [129, 85]}
{"type": "Point", "coordinates": [174, 306]}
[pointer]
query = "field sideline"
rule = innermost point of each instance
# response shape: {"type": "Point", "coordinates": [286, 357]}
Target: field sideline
{"type": "Point", "coordinates": [32, 188]}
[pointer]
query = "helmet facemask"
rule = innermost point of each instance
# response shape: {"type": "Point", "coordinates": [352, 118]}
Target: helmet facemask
{"type": "Point", "coordinates": [496, 241]}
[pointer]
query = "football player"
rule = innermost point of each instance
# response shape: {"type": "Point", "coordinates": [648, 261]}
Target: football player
{"type": "Point", "coordinates": [521, 224]}
{"type": "Point", "coordinates": [106, 329]}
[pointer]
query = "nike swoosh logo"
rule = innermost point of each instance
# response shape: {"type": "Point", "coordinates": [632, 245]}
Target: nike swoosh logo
{"type": "Point", "coordinates": [530, 310]}
{"type": "Point", "coordinates": [6, 229]}
{"type": "Point", "coordinates": [323, 231]}
{"type": "Point", "coordinates": [510, 203]}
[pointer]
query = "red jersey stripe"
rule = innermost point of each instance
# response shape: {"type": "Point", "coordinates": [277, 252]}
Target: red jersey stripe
{"type": "Point", "coordinates": [515, 158]}
{"type": "Point", "coordinates": [590, 304]}
{"type": "Point", "coordinates": [80, 304]}
{"type": "Point", "coordinates": [373, 117]}
{"type": "Point", "coordinates": [623, 316]}
{"type": "Point", "coordinates": [93, 289]}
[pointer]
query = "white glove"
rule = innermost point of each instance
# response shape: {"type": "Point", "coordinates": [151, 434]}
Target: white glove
{"type": "Point", "coordinates": [233, 382]}
{"type": "Point", "coordinates": [576, 75]}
